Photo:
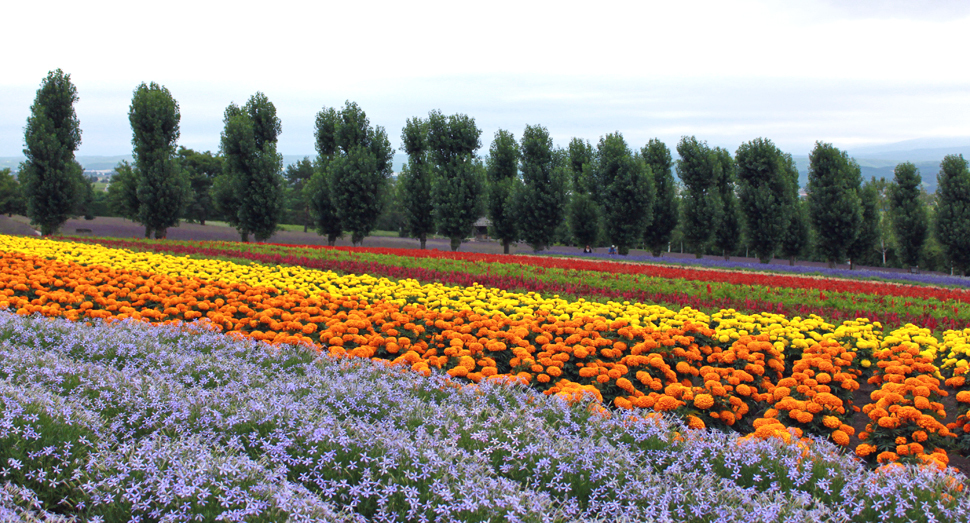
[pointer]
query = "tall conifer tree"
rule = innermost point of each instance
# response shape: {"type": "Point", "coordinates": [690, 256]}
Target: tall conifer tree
{"type": "Point", "coordinates": [51, 177]}
{"type": "Point", "coordinates": [952, 220]}
{"type": "Point", "coordinates": [834, 180]}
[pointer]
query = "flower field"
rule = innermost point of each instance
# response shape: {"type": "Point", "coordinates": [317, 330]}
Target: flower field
{"type": "Point", "coordinates": [889, 303]}
{"type": "Point", "coordinates": [565, 407]}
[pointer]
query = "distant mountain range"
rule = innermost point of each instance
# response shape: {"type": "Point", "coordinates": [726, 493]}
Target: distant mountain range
{"type": "Point", "coordinates": [876, 160]}
{"type": "Point", "coordinates": [879, 161]}
{"type": "Point", "coordinates": [108, 163]}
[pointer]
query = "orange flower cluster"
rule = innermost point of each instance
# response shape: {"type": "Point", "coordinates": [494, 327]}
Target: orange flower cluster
{"type": "Point", "coordinates": [684, 371]}
{"type": "Point", "coordinates": [961, 426]}
{"type": "Point", "coordinates": [817, 395]}
{"type": "Point", "coordinates": [905, 414]}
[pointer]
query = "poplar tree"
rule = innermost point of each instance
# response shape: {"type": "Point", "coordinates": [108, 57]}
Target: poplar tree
{"type": "Point", "coordinates": [766, 195]}
{"type": "Point", "coordinates": [357, 168]}
{"type": "Point", "coordinates": [583, 213]}
{"type": "Point", "coordinates": [458, 180]}
{"type": "Point", "coordinates": [701, 200]}
{"type": "Point", "coordinates": [794, 242]}
{"type": "Point", "coordinates": [415, 180]}
{"type": "Point", "coordinates": [952, 220]}
{"type": "Point", "coordinates": [254, 166]}
{"type": "Point", "coordinates": [162, 190]}
{"type": "Point", "coordinates": [908, 213]}
{"type": "Point", "coordinates": [51, 177]}
{"type": "Point", "coordinates": [317, 191]}
{"type": "Point", "coordinates": [541, 199]}
{"type": "Point", "coordinates": [581, 157]}
{"type": "Point", "coordinates": [833, 200]}
{"type": "Point", "coordinates": [864, 245]}
{"type": "Point", "coordinates": [728, 234]}
{"type": "Point", "coordinates": [626, 192]}
{"type": "Point", "coordinates": [659, 230]}
{"type": "Point", "coordinates": [502, 173]}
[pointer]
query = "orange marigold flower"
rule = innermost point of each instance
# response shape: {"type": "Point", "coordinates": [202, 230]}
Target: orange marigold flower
{"type": "Point", "coordinates": [886, 456]}
{"type": "Point", "coordinates": [888, 422]}
{"type": "Point", "coordinates": [543, 378]}
{"type": "Point", "coordinates": [840, 438]}
{"type": "Point", "coordinates": [624, 384]}
{"type": "Point", "coordinates": [831, 422]}
{"type": "Point", "coordinates": [703, 401]}
{"type": "Point", "coordinates": [864, 449]}
{"type": "Point", "coordinates": [666, 403]}
{"type": "Point", "coordinates": [622, 403]}
{"type": "Point", "coordinates": [695, 423]}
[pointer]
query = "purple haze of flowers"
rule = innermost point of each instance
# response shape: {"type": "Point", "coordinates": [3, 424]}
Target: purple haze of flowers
{"type": "Point", "coordinates": [708, 262]}
{"type": "Point", "coordinates": [177, 423]}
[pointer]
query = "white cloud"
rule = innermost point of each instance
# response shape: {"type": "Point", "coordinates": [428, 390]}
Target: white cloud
{"type": "Point", "coordinates": [848, 72]}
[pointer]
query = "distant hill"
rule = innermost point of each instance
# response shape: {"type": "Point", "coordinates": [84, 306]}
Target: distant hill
{"type": "Point", "coordinates": [880, 161]}
{"type": "Point", "coordinates": [107, 163]}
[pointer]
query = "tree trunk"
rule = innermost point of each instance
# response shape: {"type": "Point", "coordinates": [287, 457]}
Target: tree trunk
{"type": "Point", "coordinates": [727, 255]}
{"type": "Point", "coordinates": [331, 240]}
{"type": "Point", "coordinates": [791, 261]}
{"type": "Point", "coordinates": [306, 218]}
{"type": "Point", "coordinates": [244, 237]}
{"type": "Point", "coordinates": [148, 232]}
{"type": "Point", "coordinates": [161, 234]}
{"type": "Point", "coordinates": [831, 264]}
{"type": "Point", "coordinates": [851, 264]}
{"type": "Point", "coordinates": [455, 243]}
{"type": "Point", "coordinates": [505, 246]}
{"type": "Point", "coordinates": [424, 240]}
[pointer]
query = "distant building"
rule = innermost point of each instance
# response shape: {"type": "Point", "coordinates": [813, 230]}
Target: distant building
{"type": "Point", "coordinates": [480, 229]}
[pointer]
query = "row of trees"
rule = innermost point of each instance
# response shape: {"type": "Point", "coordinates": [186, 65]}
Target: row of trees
{"type": "Point", "coordinates": [530, 190]}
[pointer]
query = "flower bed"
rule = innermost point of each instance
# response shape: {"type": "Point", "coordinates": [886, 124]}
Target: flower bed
{"type": "Point", "coordinates": [837, 300]}
{"type": "Point", "coordinates": [755, 374]}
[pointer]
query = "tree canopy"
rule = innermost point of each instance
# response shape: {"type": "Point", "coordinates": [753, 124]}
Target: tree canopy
{"type": "Point", "coordinates": [541, 201]}
{"type": "Point", "coordinates": [663, 219]}
{"type": "Point", "coordinates": [833, 200]}
{"type": "Point", "coordinates": [502, 173]}
{"type": "Point", "coordinates": [355, 160]}
{"type": "Point", "coordinates": [908, 214]}
{"type": "Point", "coordinates": [162, 190]}
{"type": "Point", "coordinates": [626, 191]}
{"type": "Point", "coordinates": [952, 221]}
{"type": "Point", "coordinates": [458, 181]}
{"type": "Point", "coordinates": [51, 177]}
{"type": "Point", "coordinates": [255, 183]}
{"type": "Point", "coordinates": [702, 201]}
{"type": "Point", "coordinates": [766, 195]}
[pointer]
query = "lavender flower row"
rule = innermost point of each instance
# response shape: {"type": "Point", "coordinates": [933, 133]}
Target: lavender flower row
{"type": "Point", "coordinates": [711, 262]}
{"type": "Point", "coordinates": [133, 422]}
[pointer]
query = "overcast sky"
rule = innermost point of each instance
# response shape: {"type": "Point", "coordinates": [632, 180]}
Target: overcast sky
{"type": "Point", "coordinates": [851, 73]}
